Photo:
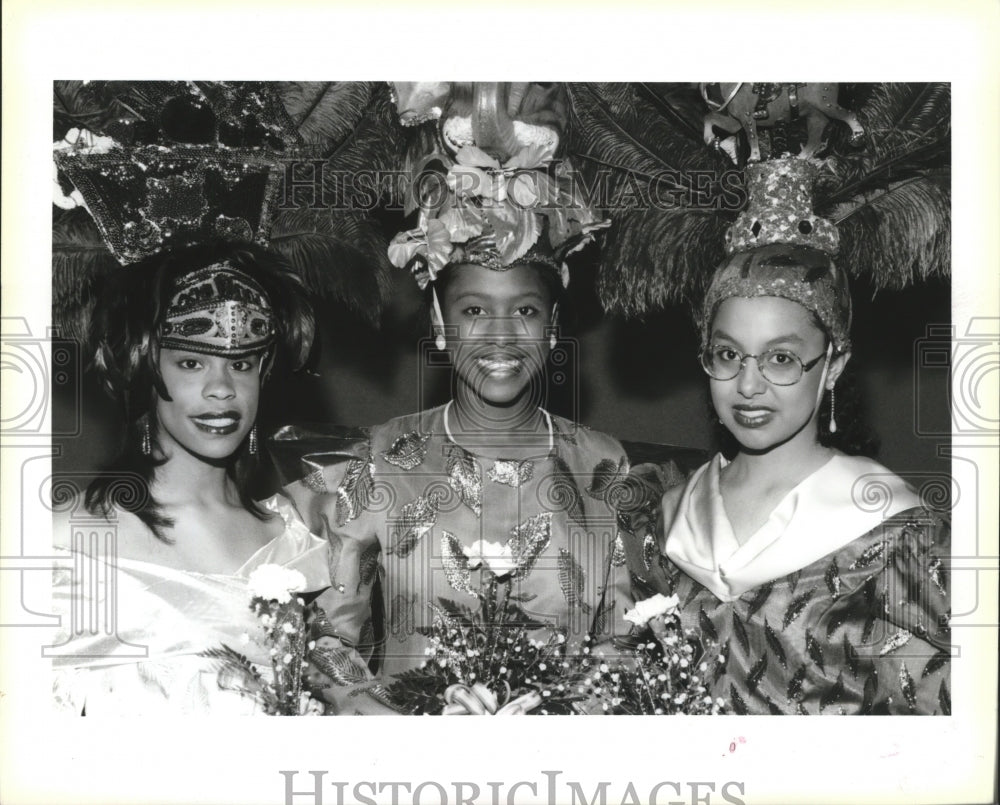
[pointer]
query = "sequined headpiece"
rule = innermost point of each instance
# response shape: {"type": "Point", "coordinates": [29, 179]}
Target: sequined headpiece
{"type": "Point", "coordinates": [218, 310]}
{"type": "Point", "coordinates": [779, 247]}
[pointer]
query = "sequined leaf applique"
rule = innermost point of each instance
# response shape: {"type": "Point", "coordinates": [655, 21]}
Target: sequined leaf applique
{"type": "Point", "coordinates": [759, 598]}
{"type": "Point", "coordinates": [832, 579]}
{"type": "Point", "coordinates": [355, 492]}
{"type": "Point", "coordinates": [465, 477]}
{"type": "Point", "coordinates": [528, 540]}
{"type": "Point", "coordinates": [937, 575]}
{"type": "Point", "coordinates": [939, 660]}
{"type": "Point", "coordinates": [649, 551]}
{"type": "Point", "coordinates": [315, 481]}
{"type": "Point", "coordinates": [707, 627]}
{"type": "Point", "coordinates": [740, 632]}
{"type": "Point", "coordinates": [407, 451]}
{"type": "Point", "coordinates": [814, 650]}
{"type": "Point", "coordinates": [511, 473]}
{"type": "Point", "coordinates": [416, 518]}
{"type": "Point", "coordinates": [572, 580]}
{"type": "Point", "coordinates": [774, 643]}
{"type": "Point", "coordinates": [563, 492]}
{"type": "Point", "coordinates": [757, 673]}
{"type": "Point", "coordinates": [895, 641]}
{"type": "Point", "coordinates": [368, 565]}
{"type": "Point", "coordinates": [338, 665]}
{"type": "Point", "coordinates": [796, 607]}
{"type": "Point", "coordinates": [600, 622]}
{"type": "Point", "coordinates": [795, 684]}
{"type": "Point", "coordinates": [606, 475]}
{"type": "Point", "coordinates": [402, 616]}
{"type": "Point", "coordinates": [908, 687]}
{"type": "Point", "coordinates": [739, 706]}
{"type": "Point", "coordinates": [871, 555]}
{"type": "Point", "coordinates": [691, 595]}
{"type": "Point", "coordinates": [793, 581]}
{"type": "Point", "coordinates": [944, 698]}
{"type": "Point", "coordinates": [723, 663]}
{"type": "Point", "coordinates": [833, 693]}
{"type": "Point", "coordinates": [869, 693]}
{"type": "Point", "coordinates": [456, 565]}
{"type": "Point", "coordinates": [618, 556]}
{"type": "Point", "coordinates": [868, 629]}
{"type": "Point", "coordinates": [772, 708]}
{"type": "Point", "coordinates": [851, 655]}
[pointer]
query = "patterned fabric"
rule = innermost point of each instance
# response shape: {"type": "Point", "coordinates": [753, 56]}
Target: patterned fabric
{"type": "Point", "coordinates": [395, 505]}
{"type": "Point", "coordinates": [861, 630]}
{"type": "Point", "coordinates": [166, 618]}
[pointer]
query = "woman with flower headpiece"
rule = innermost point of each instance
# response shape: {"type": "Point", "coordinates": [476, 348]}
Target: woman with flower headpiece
{"type": "Point", "coordinates": [168, 551]}
{"type": "Point", "coordinates": [817, 575]}
{"type": "Point", "coordinates": [490, 482]}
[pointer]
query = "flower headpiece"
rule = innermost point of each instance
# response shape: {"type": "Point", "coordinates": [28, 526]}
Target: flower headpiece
{"type": "Point", "coordinates": [498, 202]}
{"type": "Point", "coordinates": [218, 310]}
{"type": "Point", "coordinates": [779, 247]}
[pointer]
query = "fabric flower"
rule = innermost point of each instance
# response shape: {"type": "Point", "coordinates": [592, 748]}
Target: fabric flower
{"type": "Point", "coordinates": [650, 608]}
{"type": "Point", "coordinates": [496, 557]}
{"type": "Point", "coordinates": [431, 240]}
{"type": "Point", "coordinates": [275, 583]}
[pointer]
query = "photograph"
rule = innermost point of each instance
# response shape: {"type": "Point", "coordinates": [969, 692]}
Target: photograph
{"type": "Point", "coordinates": [606, 397]}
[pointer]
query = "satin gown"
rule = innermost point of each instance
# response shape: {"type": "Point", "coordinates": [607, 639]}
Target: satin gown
{"type": "Point", "coordinates": [147, 660]}
{"type": "Point", "coordinates": [838, 604]}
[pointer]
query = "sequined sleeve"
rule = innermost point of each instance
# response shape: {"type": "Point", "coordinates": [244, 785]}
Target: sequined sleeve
{"type": "Point", "coordinates": [913, 590]}
{"type": "Point", "coordinates": [329, 476]}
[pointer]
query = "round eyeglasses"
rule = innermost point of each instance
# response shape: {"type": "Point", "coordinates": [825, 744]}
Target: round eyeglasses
{"type": "Point", "coordinates": [777, 366]}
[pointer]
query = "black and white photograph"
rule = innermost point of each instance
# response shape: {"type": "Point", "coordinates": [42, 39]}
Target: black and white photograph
{"type": "Point", "coordinates": [452, 398]}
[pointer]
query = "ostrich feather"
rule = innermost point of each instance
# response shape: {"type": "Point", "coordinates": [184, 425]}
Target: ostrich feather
{"type": "Point", "coordinates": [899, 235]}
{"type": "Point", "coordinates": [326, 112]}
{"type": "Point", "coordinates": [80, 262]}
{"type": "Point", "coordinates": [652, 258]}
{"type": "Point", "coordinates": [341, 257]}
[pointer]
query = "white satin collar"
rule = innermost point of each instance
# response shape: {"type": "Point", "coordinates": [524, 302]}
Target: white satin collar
{"type": "Point", "coordinates": [842, 500]}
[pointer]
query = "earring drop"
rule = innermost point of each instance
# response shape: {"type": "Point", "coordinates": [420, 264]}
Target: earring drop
{"type": "Point", "coordinates": [145, 444]}
{"type": "Point", "coordinates": [833, 405]}
{"type": "Point", "coordinates": [552, 341]}
{"type": "Point", "coordinates": [252, 441]}
{"type": "Point", "coordinates": [440, 342]}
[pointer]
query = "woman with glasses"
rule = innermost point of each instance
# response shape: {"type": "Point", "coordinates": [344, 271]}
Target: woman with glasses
{"type": "Point", "coordinates": [817, 576]}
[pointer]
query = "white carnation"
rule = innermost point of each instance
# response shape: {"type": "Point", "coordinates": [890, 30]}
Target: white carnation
{"type": "Point", "coordinates": [275, 583]}
{"type": "Point", "coordinates": [650, 608]}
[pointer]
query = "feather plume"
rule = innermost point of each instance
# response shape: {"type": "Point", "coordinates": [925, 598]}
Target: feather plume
{"type": "Point", "coordinates": [342, 258]}
{"type": "Point", "coordinates": [325, 112]}
{"type": "Point", "coordinates": [80, 262]}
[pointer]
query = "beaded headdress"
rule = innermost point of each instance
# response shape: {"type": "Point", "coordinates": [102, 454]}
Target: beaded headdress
{"type": "Point", "coordinates": [218, 310]}
{"type": "Point", "coordinates": [779, 247]}
{"type": "Point", "coordinates": [493, 193]}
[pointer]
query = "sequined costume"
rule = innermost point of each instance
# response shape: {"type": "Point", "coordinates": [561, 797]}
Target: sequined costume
{"type": "Point", "coordinates": [152, 663]}
{"type": "Point", "coordinates": [808, 616]}
{"type": "Point", "coordinates": [386, 502]}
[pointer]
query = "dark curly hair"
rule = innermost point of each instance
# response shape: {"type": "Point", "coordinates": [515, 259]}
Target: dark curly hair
{"type": "Point", "coordinates": [124, 342]}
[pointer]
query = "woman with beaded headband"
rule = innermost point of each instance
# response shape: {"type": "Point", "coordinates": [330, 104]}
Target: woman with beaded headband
{"type": "Point", "coordinates": [818, 574]}
{"type": "Point", "coordinates": [184, 341]}
{"type": "Point", "coordinates": [436, 494]}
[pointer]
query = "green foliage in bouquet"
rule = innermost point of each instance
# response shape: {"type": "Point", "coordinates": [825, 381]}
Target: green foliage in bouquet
{"type": "Point", "coordinates": [492, 659]}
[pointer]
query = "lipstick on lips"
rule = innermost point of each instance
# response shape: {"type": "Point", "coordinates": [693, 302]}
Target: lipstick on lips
{"type": "Point", "coordinates": [219, 423]}
{"type": "Point", "coordinates": [752, 416]}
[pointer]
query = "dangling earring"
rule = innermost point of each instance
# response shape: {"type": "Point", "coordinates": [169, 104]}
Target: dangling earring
{"type": "Point", "coordinates": [145, 444]}
{"type": "Point", "coordinates": [552, 341]}
{"type": "Point", "coordinates": [833, 406]}
{"type": "Point", "coordinates": [440, 342]}
{"type": "Point", "coordinates": [252, 445]}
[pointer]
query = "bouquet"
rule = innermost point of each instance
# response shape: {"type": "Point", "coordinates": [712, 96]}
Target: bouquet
{"type": "Point", "coordinates": [665, 670]}
{"type": "Point", "coordinates": [494, 659]}
{"type": "Point", "coordinates": [287, 623]}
